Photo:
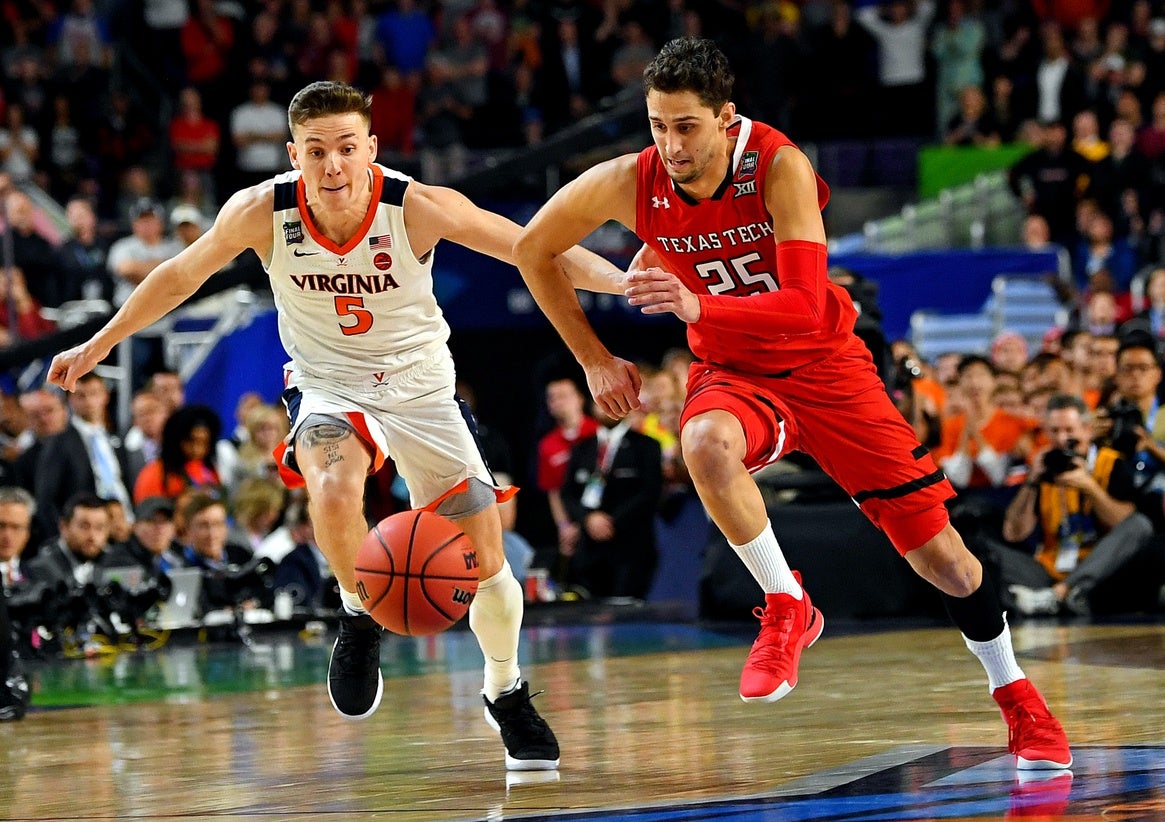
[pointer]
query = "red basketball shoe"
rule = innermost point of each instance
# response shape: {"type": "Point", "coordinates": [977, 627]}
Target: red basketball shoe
{"type": "Point", "coordinates": [1033, 734]}
{"type": "Point", "coordinates": [787, 627]}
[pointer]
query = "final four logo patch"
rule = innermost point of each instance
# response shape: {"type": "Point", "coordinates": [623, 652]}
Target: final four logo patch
{"type": "Point", "coordinates": [292, 233]}
{"type": "Point", "coordinates": [748, 163]}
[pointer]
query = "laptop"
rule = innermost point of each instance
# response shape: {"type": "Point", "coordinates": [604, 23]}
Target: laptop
{"type": "Point", "coordinates": [180, 609]}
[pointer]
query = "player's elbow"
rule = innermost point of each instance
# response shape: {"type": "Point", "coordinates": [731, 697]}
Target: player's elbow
{"type": "Point", "coordinates": [530, 253]}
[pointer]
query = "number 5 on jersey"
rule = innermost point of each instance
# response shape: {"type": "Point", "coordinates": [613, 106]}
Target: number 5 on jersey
{"type": "Point", "coordinates": [347, 306]}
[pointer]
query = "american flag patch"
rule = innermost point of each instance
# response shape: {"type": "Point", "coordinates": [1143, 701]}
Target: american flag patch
{"type": "Point", "coordinates": [380, 241]}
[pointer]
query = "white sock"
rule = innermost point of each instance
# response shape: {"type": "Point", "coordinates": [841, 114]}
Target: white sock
{"type": "Point", "coordinates": [763, 558]}
{"type": "Point", "coordinates": [998, 658]}
{"type": "Point", "coordinates": [496, 618]}
{"type": "Point", "coordinates": [352, 603]}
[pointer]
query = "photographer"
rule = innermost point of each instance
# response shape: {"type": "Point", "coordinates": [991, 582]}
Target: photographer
{"type": "Point", "coordinates": [1079, 498]}
{"type": "Point", "coordinates": [1135, 425]}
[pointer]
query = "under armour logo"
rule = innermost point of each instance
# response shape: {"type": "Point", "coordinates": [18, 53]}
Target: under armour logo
{"type": "Point", "coordinates": [656, 202]}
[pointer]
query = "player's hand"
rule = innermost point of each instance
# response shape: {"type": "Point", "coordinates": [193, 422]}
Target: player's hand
{"type": "Point", "coordinates": [69, 366]}
{"type": "Point", "coordinates": [615, 384]}
{"type": "Point", "coordinates": [656, 291]}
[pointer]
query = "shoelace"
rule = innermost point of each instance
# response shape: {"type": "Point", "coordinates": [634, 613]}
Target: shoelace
{"type": "Point", "coordinates": [521, 715]}
{"type": "Point", "coordinates": [769, 652]}
{"type": "Point", "coordinates": [357, 653]}
{"type": "Point", "coordinates": [1027, 727]}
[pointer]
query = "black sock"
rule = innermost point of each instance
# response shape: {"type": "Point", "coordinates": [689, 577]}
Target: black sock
{"type": "Point", "coordinates": [979, 616]}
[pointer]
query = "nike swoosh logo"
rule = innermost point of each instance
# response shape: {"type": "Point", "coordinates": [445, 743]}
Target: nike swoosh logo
{"type": "Point", "coordinates": [299, 253]}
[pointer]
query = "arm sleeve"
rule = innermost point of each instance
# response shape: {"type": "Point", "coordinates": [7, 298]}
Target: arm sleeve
{"type": "Point", "coordinates": [796, 308]}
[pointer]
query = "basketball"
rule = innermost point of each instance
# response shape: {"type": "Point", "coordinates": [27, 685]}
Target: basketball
{"type": "Point", "coordinates": [416, 573]}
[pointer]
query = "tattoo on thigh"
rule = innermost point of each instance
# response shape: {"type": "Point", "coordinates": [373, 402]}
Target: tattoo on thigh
{"type": "Point", "coordinates": [325, 435]}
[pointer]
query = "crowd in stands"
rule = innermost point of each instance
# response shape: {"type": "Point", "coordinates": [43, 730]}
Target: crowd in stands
{"type": "Point", "coordinates": [1057, 455]}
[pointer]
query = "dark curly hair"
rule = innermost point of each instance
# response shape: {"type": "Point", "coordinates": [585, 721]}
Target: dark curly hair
{"type": "Point", "coordinates": [691, 64]}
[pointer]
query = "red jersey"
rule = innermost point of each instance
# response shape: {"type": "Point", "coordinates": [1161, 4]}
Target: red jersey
{"type": "Point", "coordinates": [723, 249]}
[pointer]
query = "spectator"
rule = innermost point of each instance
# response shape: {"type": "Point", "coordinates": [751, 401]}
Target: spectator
{"type": "Point", "coordinates": [82, 35]}
{"type": "Point", "coordinates": [208, 41]}
{"type": "Point", "coordinates": [120, 523]}
{"type": "Point", "coordinates": [45, 273]}
{"type": "Point", "coordinates": [257, 504]}
{"type": "Point", "coordinates": [1153, 314]}
{"type": "Point", "coordinates": [1139, 436]}
{"type": "Point", "coordinates": [143, 441]}
{"type": "Point", "coordinates": [186, 457]}
{"type": "Point", "coordinates": [17, 508]}
{"type": "Point", "coordinates": [82, 458]}
{"type": "Point", "coordinates": [76, 557]}
{"type": "Point", "coordinates": [564, 401]}
{"type": "Point", "coordinates": [980, 444]}
{"type": "Point", "coordinates": [1124, 169]}
{"type": "Point", "coordinates": [957, 46]}
{"type": "Point", "coordinates": [406, 33]}
{"type": "Point", "coordinates": [1009, 352]}
{"type": "Point", "coordinates": [842, 81]}
{"type": "Point", "coordinates": [85, 254]}
{"type": "Point", "coordinates": [65, 160]}
{"type": "Point", "coordinates": [132, 258]}
{"type": "Point", "coordinates": [1049, 181]}
{"type": "Point", "coordinates": [19, 145]}
{"type": "Point", "coordinates": [259, 132]}
{"type": "Point", "coordinates": [188, 224]}
{"type": "Point", "coordinates": [611, 492]}
{"type": "Point", "coordinates": [152, 541]}
{"type": "Point", "coordinates": [1006, 112]}
{"type": "Point", "coordinates": [394, 119]}
{"type": "Point", "coordinates": [973, 124]}
{"type": "Point", "coordinates": [205, 536]}
{"type": "Point", "coordinates": [17, 302]}
{"type": "Point", "coordinates": [1151, 138]}
{"type": "Point", "coordinates": [899, 27]}
{"type": "Point", "coordinates": [301, 572]}
{"type": "Point", "coordinates": [47, 416]}
{"type": "Point", "coordinates": [1060, 84]}
{"type": "Point", "coordinates": [1086, 139]}
{"type": "Point", "coordinates": [195, 138]}
{"type": "Point", "coordinates": [1081, 506]}
{"type": "Point", "coordinates": [168, 387]}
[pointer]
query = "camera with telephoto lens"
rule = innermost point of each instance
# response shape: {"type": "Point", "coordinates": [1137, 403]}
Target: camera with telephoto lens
{"type": "Point", "coordinates": [1126, 419]}
{"type": "Point", "coordinates": [1059, 460]}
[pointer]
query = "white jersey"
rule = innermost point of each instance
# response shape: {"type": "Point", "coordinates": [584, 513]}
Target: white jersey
{"type": "Point", "coordinates": [366, 308]}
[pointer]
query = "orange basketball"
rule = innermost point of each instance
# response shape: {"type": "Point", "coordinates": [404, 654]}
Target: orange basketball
{"type": "Point", "coordinates": [416, 573]}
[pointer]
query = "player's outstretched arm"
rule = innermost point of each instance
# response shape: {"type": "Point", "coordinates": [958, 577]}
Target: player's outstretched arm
{"type": "Point", "coordinates": [244, 222]}
{"type": "Point", "coordinates": [434, 213]}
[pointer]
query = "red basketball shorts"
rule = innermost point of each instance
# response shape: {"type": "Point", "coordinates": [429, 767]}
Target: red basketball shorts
{"type": "Point", "coordinates": [838, 412]}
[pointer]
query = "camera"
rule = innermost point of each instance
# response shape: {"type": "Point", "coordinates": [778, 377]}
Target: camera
{"type": "Point", "coordinates": [1126, 419]}
{"type": "Point", "coordinates": [1059, 460]}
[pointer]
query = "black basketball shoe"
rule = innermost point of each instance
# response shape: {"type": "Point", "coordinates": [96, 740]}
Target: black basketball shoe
{"type": "Point", "coordinates": [14, 694]}
{"type": "Point", "coordinates": [530, 744]}
{"type": "Point", "coordinates": [355, 684]}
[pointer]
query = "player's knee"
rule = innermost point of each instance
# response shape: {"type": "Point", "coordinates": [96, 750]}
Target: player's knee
{"type": "Point", "coordinates": [945, 562]}
{"type": "Point", "coordinates": [335, 494]}
{"type": "Point", "coordinates": [709, 448]}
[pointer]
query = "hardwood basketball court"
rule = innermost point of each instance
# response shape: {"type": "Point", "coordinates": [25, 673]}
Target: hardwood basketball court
{"type": "Point", "coordinates": [888, 722]}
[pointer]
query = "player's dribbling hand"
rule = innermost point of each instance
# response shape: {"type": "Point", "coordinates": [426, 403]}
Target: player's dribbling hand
{"type": "Point", "coordinates": [614, 383]}
{"type": "Point", "coordinates": [69, 366]}
{"type": "Point", "coordinates": [656, 291]}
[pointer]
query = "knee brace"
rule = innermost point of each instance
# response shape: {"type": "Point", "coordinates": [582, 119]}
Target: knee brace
{"type": "Point", "coordinates": [476, 497]}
